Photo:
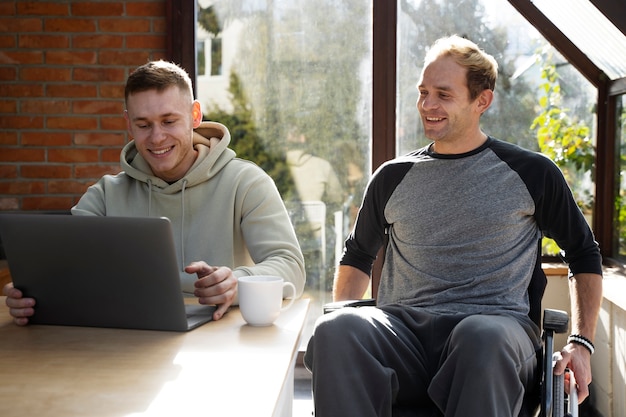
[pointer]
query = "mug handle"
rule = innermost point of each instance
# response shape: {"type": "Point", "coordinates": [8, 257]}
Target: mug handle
{"type": "Point", "coordinates": [293, 295]}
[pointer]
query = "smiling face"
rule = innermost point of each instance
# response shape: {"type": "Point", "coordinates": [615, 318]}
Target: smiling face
{"type": "Point", "coordinates": [450, 118]}
{"type": "Point", "coordinates": [161, 124]}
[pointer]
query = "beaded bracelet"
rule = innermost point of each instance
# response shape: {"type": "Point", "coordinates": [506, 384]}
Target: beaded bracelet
{"type": "Point", "coordinates": [581, 340]}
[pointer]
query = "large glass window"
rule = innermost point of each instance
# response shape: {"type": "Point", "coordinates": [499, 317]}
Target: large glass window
{"type": "Point", "coordinates": [295, 92]}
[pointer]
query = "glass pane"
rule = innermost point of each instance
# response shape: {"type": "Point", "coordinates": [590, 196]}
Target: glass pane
{"type": "Point", "coordinates": [620, 201]}
{"type": "Point", "coordinates": [542, 103]}
{"type": "Point", "coordinates": [591, 31]}
{"type": "Point", "coordinates": [295, 94]}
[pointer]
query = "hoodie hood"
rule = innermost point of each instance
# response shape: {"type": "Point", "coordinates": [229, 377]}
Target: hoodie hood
{"type": "Point", "coordinates": [210, 139]}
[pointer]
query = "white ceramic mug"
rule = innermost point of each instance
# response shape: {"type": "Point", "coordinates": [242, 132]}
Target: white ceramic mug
{"type": "Point", "coordinates": [261, 298]}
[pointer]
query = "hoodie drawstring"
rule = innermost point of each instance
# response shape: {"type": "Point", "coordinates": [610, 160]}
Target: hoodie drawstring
{"type": "Point", "coordinates": [182, 218]}
{"type": "Point", "coordinates": [149, 197]}
{"type": "Point", "coordinates": [182, 224]}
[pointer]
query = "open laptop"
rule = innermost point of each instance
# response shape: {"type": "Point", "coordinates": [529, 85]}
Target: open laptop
{"type": "Point", "coordinates": [99, 271]}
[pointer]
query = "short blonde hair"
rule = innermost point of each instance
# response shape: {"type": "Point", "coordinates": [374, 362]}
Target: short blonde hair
{"type": "Point", "coordinates": [482, 68]}
{"type": "Point", "coordinates": [158, 75]}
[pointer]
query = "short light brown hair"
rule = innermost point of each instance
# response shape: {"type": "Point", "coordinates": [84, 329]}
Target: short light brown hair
{"type": "Point", "coordinates": [158, 75]}
{"type": "Point", "coordinates": [482, 68]}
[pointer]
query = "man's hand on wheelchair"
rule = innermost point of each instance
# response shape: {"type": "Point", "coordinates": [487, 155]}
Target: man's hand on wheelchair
{"type": "Point", "coordinates": [578, 359]}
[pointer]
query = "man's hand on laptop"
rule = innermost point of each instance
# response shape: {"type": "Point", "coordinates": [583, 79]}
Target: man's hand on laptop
{"type": "Point", "coordinates": [215, 286]}
{"type": "Point", "coordinates": [19, 307]}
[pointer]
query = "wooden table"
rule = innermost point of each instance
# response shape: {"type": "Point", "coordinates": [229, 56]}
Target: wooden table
{"type": "Point", "coordinates": [223, 368]}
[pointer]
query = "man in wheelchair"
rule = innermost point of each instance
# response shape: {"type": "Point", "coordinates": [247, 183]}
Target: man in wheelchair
{"type": "Point", "coordinates": [454, 332]}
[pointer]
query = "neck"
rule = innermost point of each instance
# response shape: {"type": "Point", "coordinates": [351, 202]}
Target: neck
{"type": "Point", "coordinates": [460, 146]}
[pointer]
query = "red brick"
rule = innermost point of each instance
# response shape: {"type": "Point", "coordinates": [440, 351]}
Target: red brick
{"type": "Point", "coordinates": [22, 187]}
{"type": "Point", "coordinates": [47, 8]}
{"type": "Point", "coordinates": [159, 26]}
{"type": "Point", "coordinates": [8, 106]}
{"type": "Point", "coordinates": [81, 90]}
{"type": "Point", "coordinates": [21, 90]}
{"type": "Point", "coordinates": [99, 139]}
{"type": "Point", "coordinates": [96, 171]}
{"type": "Point", "coordinates": [8, 74]}
{"type": "Point", "coordinates": [147, 8]}
{"type": "Point", "coordinates": [44, 138]}
{"type": "Point", "coordinates": [111, 90]}
{"type": "Point", "coordinates": [135, 58]}
{"type": "Point", "coordinates": [22, 155]}
{"type": "Point", "coordinates": [40, 41]}
{"type": "Point", "coordinates": [72, 155]}
{"type": "Point", "coordinates": [67, 187]}
{"type": "Point", "coordinates": [98, 107]}
{"type": "Point", "coordinates": [43, 106]}
{"type": "Point", "coordinates": [96, 41]}
{"type": "Point", "coordinates": [8, 171]}
{"type": "Point", "coordinates": [145, 41]}
{"type": "Point", "coordinates": [7, 138]}
{"type": "Point", "coordinates": [21, 122]}
{"type": "Point", "coordinates": [110, 155]}
{"type": "Point", "coordinates": [125, 25]}
{"type": "Point", "coordinates": [20, 24]}
{"type": "Point", "coordinates": [97, 9]}
{"type": "Point", "coordinates": [113, 123]}
{"type": "Point", "coordinates": [45, 74]}
{"type": "Point", "coordinates": [100, 74]}
{"type": "Point", "coordinates": [71, 57]}
{"type": "Point", "coordinates": [21, 57]}
{"type": "Point", "coordinates": [46, 171]}
{"type": "Point", "coordinates": [72, 123]}
{"type": "Point", "coordinates": [70, 25]}
{"type": "Point", "coordinates": [7, 9]}
{"type": "Point", "coordinates": [47, 203]}
{"type": "Point", "coordinates": [7, 41]}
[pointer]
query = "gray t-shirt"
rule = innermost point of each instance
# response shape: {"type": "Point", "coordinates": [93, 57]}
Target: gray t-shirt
{"type": "Point", "coordinates": [464, 230]}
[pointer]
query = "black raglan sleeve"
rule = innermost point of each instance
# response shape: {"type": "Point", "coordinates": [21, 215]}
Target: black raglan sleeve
{"type": "Point", "coordinates": [368, 234]}
{"type": "Point", "coordinates": [556, 212]}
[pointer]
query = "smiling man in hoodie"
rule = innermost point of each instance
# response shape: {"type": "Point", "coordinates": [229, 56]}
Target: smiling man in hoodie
{"type": "Point", "coordinates": [227, 215]}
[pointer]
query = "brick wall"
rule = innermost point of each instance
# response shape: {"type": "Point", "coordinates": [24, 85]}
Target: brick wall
{"type": "Point", "coordinates": [63, 65]}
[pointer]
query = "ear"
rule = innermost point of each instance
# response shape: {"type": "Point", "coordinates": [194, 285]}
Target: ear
{"type": "Point", "coordinates": [127, 118]}
{"type": "Point", "coordinates": [196, 113]}
{"type": "Point", "coordinates": [484, 100]}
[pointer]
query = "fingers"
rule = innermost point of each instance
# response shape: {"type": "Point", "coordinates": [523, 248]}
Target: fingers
{"type": "Point", "coordinates": [561, 362]}
{"type": "Point", "coordinates": [221, 310]}
{"type": "Point", "coordinates": [10, 291]}
{"type": "Point", "coordinates": [215, 286]}
{"type": "Point", "coordinates": [577, 359]}
{"type": "Point", "coordinates": [20, 308]}
{"type": "Point", "coordinates": [200, 268]}
{"type": "Point", "coordinates": [22, 321]}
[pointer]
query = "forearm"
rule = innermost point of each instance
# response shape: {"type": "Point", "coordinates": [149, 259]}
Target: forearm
{"type": "Point", "coordinates": [350, 283]}
{"type": "Point", "coordinates": [586, 298]}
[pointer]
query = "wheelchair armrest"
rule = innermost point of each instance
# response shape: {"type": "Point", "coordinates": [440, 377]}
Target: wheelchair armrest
{"type": "Point", "coordinates": [330, 307]}
{"type": "Point", "coordinates": [555, 320]}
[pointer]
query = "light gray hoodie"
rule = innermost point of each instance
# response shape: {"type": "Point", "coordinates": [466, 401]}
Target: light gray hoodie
{"type": "Point", "coordinates": [226, 211]}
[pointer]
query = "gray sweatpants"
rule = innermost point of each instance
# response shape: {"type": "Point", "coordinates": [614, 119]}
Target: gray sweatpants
{"type": "Point", "coordinates": [369, 361]}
